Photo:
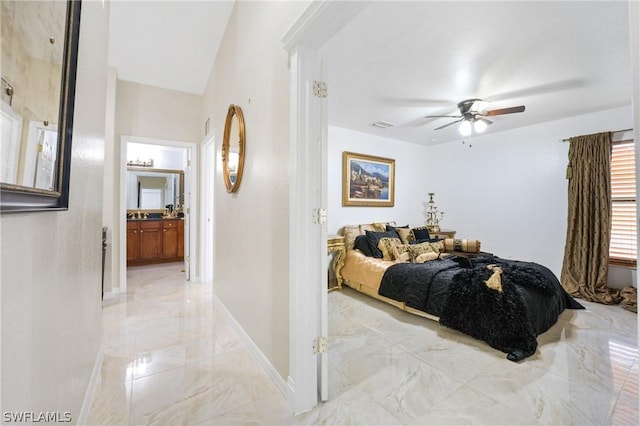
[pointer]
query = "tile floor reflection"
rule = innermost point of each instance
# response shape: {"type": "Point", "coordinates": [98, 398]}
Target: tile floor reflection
{"type": "Point", "coordinates": [171, 357]}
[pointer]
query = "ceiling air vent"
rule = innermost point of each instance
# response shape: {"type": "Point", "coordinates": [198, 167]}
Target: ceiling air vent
{"type": "Point", "coordinates": [383, 124]}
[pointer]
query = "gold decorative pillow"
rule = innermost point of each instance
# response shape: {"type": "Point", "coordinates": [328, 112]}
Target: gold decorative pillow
{"type": "Point", "coordinates": [438, 246]}
{"type": "Point", "coordinates": [350, 232]}
{"type": "Point", "coordinates": [389, 248]}
{"type": "Point", "coordinates": [416, 250]}
{"type": "Point", "coordinates": [425, 257]}
{"type": "Point", "coordinates": [374, 227]}
{"type": "Point", "coordinates": [466, 246]}
{"type": "Point", "coordinates": [403, 257]}
{"type": "Point", "coordinates": [405, 234]}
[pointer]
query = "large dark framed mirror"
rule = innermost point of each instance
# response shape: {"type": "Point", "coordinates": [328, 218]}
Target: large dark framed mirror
{"type": "Point", "coordinates": [39, 59]}
{"type": "Point", "coordinates": [233, 147]}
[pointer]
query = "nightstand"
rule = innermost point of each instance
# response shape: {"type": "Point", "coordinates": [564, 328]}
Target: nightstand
{"type": "Point", "coordinates": [443, 233]}
{"type": "Point", "coordinates": [335, 246]}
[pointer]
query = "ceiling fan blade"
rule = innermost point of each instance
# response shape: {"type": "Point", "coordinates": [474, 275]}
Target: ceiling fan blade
{"type": "Point", "coordinates": [448, 124]}
{"type": "Point", "coordinates": [483, 119]}
{"type": "Point", "coordinates": [502, 111]}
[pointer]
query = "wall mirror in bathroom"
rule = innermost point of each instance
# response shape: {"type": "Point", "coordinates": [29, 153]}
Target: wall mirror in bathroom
{"type": "Point", "coordinates": [233, 148]}
{"type": "Point", "coordinates": [153, 189]}
{"type": "Point", "coordinates": [39, 48]}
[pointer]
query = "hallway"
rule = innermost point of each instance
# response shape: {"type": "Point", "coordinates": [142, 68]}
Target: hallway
{"type": "Point", "coordinates": [170, 357]}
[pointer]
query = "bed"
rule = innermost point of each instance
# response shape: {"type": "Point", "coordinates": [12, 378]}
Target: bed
{"type": "Point", "coordinates": [506, 303]}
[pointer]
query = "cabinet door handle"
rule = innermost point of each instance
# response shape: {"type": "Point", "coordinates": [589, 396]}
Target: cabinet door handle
{"type": "Point", "coordinates": [135, 232]}
{"type": "Point", "coordinates": [141, 231]}
{"type": "Point", "coordinates": [164, 230]}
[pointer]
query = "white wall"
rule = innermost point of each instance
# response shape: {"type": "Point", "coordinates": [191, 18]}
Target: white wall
{"type": "Point", "coordinates": [164, 157]}
{"type": "Point", "coordinates": [411, 161]}
{"type": "Point", "coordinates": [509, 189]}
{"type": "Point", "coordinates": [251, 226]}
{"type": "Point", "coordinates": [51, 261]}
{"type": "Point", "coordinates": [154, 112]}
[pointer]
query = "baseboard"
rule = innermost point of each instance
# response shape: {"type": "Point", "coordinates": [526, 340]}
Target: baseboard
{"type": "Point", "coordinates": [107, 295]}
{"type": "Point", "coordinates": [88, 396]}
{"type": "Point", "coordinates": [262, 360]}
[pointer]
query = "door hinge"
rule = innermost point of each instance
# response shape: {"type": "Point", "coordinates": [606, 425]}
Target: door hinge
{"type": "Point", "coordinates": [320, 89]}
{"type": "Point", "coordinates": [320, 345]}
{"type": "Point", "coordinates": [188, 210]}
{"type": "Point", "coordinates": [320, 216]}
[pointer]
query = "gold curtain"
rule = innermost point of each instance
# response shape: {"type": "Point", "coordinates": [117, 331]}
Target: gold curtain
{"type": "Point", "coordinates": [586, 253]}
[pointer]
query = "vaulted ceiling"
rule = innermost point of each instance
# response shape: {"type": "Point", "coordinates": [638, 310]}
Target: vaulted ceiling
{"type": "Point", "coordinates": [400, 61]}
{"type": "Point", "coordinates": [169, 44]}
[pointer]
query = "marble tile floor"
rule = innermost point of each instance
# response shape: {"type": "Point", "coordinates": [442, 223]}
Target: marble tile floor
{"type": "Point", "coordinates": [171, 358]}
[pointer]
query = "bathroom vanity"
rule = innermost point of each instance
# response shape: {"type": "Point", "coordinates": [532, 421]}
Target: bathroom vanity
{"type": "Point", "coordinates": [154, 240]}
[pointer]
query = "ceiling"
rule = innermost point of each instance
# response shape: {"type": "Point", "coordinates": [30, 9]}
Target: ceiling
{"type": "Point", "coordinates": [169, 44]}
{"type": "Point", "coordinates": [399, 61]}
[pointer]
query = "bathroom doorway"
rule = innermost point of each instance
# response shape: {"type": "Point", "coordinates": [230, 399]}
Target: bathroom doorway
{"type": "Point", "coordinates": [160, 155]}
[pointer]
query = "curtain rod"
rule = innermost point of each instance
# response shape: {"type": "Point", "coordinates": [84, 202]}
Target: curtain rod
{"type": "Point", "coordinates": [616, 131]}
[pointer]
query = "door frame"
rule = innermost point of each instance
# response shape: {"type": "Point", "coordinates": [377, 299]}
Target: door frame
{"type": "Point", "coordinates": [307, 191]}
{"type": "Point", "coordinates": [207, 187]}
{"type": "Point", "coordinates": [122, 210]}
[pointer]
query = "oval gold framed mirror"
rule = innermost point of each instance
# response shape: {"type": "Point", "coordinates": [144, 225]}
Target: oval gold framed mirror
{"type": "Point", "coordinates": [233, 143]}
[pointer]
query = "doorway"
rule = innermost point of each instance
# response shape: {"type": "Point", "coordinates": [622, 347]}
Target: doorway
{"type": "Point", "coordinates": [308, 187]}
{"type": "Point", "coordinates": [164, 155]}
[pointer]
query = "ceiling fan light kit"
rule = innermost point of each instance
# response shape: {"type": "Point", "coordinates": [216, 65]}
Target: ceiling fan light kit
{"type": "Point", "coordinates": [465, 128]}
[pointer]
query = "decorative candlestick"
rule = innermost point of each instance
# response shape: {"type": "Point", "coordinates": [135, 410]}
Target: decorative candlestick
{"type": "Point", "coordinates": [432, 216]}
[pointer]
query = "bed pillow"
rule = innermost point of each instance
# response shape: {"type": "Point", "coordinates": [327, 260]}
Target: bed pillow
{"type": "Point", "coordinates": [375, 227]}
{"type": "Point", "coordinates": [362, 244]}
{"type": "Point", "coordinates": [393, 249]}
{"type": "Point", "coordinates": [466, 246]}
{"type": "Point", "coordinates": [426, 257]}
{"type": "Point", "coordinates": [420, 233]}
{"type": "Point", "coordinates": [350, 232]}
{"type": "Point", "coordinates": [374, 238]}
{"type": "Point", "coordinates": [416, 250]}
{"type": "Point", "coordinates": [403, 232]}
{"type": "Point", "coordinates": [389, 248]}
{"type": "Point", "coordinates": [438, 246]}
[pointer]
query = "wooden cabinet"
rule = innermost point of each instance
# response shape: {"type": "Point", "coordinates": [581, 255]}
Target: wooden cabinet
{"type": "Point", "coordinates": [133, 242]}
{"type": "Point", "coordinates": [150, 243]}
{"type": "Point", "coordinates": [154, 241]}
{"type": "Point", "coordinates": [169, 239]}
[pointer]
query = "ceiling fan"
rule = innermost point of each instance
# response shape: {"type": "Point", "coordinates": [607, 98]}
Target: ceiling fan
{"type": "Point", "coordinates": [473, 113]}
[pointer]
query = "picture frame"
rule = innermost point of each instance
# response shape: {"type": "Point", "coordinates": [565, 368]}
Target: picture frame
{"type": "Point", "coordinates": [367, 180]}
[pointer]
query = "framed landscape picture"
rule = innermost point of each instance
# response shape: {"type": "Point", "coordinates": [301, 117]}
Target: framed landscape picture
{"type": "Point", "coordinates": [367, 180]}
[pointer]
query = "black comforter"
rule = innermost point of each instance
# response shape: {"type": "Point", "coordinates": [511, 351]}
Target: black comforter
{"type": "Point", "coordinates": [454, 289]}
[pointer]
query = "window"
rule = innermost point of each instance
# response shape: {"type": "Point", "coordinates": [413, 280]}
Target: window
{"type": "Point", "coordinates": [622, 250]}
